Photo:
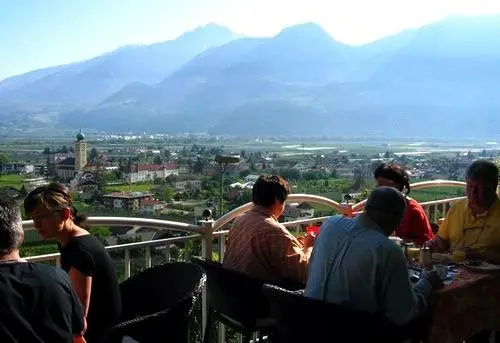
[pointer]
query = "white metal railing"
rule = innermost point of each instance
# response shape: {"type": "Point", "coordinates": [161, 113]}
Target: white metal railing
{"type": "Point", "coordinates": [208, 231]}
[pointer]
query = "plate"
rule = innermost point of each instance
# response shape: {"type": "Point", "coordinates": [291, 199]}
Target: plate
{"type": "Point", "coordinates": [482, 266]}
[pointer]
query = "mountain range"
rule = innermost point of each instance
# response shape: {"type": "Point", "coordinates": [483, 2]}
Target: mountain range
{"type": "Point", "coordinates": [440, 80]}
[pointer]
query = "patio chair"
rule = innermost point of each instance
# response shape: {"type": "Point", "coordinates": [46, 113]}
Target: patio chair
{"type": "Point", "coordinates": [302, 319]}
{"type": "Point", "coordinates": [435, 228]}
{"type": "Point", "coordinates": [157, 303]}
{"type": "Point", "coordinates": [235, 300]}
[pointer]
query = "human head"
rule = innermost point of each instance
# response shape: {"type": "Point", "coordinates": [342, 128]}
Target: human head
{"type": "Point", "coordinates": [392, 175]}
{"type": "Point", "coordinates": [51, 208]}
{"type": "Point", "coordinates": [482, 181]}
{"type": "Point", "coordinates": [11, 228]}
{"type": "Point", "coordinates": [271, 192]}
{"type": "Point", "coordinates": [386, 207]}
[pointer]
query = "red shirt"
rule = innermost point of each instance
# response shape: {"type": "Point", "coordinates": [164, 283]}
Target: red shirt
{"type": "Point", "coordinates": [415, 226]}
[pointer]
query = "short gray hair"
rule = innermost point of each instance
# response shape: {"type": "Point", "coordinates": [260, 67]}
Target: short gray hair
{"type": "Point", "coordinates": [11, 227]}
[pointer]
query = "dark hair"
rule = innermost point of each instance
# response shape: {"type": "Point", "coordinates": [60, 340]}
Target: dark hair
{"type": "Point", "coordinates": [386, 207]}
{"type": "Point", "coordinates": [55, 197]}
{"type": "Point", "coordinates": [483, 170]}
{"type": "Point", "coordinates": [394, 173]}
{"type": "Point", "coordinates": [11, 227]}
{"type": "Point", "coordinates": [269, 188]}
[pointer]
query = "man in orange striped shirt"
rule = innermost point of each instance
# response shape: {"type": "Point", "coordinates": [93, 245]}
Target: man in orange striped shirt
{"type": "Point", "coordinates": [261, 247]}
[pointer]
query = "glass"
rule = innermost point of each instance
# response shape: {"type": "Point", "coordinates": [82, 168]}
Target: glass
{"type": "Point", "coordinates": [458, 256]}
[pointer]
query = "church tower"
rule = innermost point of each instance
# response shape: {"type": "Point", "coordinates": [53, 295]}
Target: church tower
{"type": "Point", "coordinates": [80, 152]}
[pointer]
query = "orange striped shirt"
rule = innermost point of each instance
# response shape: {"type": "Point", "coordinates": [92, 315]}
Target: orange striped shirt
{"type": "Point", "coordinates": [259, 246]}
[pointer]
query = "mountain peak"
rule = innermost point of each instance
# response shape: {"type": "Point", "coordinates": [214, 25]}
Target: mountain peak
{"type": "Point", "coordinates": [209, 29]}
{"type": "Point", "coordinates": [310, 30]}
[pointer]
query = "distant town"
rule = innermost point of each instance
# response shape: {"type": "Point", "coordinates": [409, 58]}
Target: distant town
{"type": "Point", "coordinates": [177, 178]}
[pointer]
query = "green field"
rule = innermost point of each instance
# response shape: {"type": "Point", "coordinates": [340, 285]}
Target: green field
{"type": "Point", "coordinates": [143, 187]}
{"type": "Point", "coordinates": [10, 180]}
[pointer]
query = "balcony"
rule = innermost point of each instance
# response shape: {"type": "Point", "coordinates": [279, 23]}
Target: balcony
{"type": "Point", "coordinates": [211, 234]}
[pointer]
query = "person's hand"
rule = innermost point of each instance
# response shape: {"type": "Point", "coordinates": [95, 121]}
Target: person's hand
{"type": "Point", "coordinates": [434, 279]}
{"type": "Point", "coordinates": [308, 240]}
{"type": "Point", "coordinates": [472, 254]}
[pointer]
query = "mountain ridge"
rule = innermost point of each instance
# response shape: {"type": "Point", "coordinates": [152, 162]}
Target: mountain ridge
{"type": "Point", "coordinates": [303, 80]}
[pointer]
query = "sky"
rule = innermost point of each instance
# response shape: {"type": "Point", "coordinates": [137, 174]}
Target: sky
{"type": "Point", "coordinates": [40, 33]}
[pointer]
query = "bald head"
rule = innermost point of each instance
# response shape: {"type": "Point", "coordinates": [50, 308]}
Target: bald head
{"type": "Point", "coordinates": [386, 207]}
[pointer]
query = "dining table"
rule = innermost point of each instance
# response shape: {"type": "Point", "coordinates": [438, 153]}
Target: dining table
{"type": "Point", "coordinates": [468, 305]}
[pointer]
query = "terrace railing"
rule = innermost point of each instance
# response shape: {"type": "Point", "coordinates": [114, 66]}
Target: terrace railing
{"type": "Point", "coordinates": [212, 233]}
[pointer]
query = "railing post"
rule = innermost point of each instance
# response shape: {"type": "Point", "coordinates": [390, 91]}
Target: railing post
{"type": "Point", "coordinates": [436, 210]}
{"type": "Point", "coordinates": [206, 251]}
{"type": "Point", "coordinates": [222, 249]}
{"type": "Point", "coordinates": [148, 257]}
{"type": "Point", "coordinates": [207, 244]}
{"type": "Point", "coordinates": [167, 253]}
{"type": "Point", "coordinates": [127, 263]}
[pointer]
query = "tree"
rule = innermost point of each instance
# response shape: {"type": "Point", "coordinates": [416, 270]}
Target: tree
{"type": "Point", "coordinates": [157, 160]}
{"type": "Point", "coordinates": [3, 160]}
{"type": "Point", "coordinates": [167, 193]}
{"type": "Point", "coordinates": [101, 233]}
{"type": "Point", "coordinates": [94, 154]}
{"type": "Point", "coordinates": [46, 151]}
{"type": "Point", "coordinates": [244, 173]}
{"type": "Point", "coordinates": [167, 154]}
{"type": "Point", "coordinates": [198, 166]}
{"type": "Point", "coordinates": [23, 191]}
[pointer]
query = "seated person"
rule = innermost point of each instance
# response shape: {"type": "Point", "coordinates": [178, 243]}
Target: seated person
{"type": "Point", "coordinates": [355, 264]}
{"type": "Point", "coordinates": [472, 225]}
{"type": "Point", "coordinates": [259, 246]}
{"type": "Point", "coordinates": [37, 301]}
{"type": "Point", "coordinates": [415, 226]}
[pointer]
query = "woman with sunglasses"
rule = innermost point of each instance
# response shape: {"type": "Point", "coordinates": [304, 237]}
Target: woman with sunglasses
{"type": "Point", "coordinates": [415, 226]}
{"type": "Point", "coordinates": [83, 256]}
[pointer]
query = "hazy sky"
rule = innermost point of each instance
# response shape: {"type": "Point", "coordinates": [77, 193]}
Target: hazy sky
{"type": "Point", "coordinates": [40, 33]}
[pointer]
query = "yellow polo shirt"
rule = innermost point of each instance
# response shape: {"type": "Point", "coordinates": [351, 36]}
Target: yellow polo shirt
{"type": "Point", "coordinates": [482, 233]}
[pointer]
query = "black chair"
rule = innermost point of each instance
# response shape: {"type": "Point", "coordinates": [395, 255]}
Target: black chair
{"type": "Point", "coordinates": [235, 300]}
{"type": "Point", "coordinates": [157, 303]}
{"type": "Point", "coordinates": [302, 319]}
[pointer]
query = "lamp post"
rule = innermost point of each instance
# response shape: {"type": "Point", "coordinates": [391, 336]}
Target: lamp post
{"type": "Point", "coordinates": [223, 161]}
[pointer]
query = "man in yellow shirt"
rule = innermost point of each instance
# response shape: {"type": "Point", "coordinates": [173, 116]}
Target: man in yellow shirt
{"type": "Point", "coordinates": [473, 225]}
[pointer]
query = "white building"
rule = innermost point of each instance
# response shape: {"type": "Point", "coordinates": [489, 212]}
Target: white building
{"type": "Point", "coordinates": [134, 173]}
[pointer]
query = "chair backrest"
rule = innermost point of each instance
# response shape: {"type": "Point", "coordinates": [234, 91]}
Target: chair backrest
{"type": "Point", "coordinates": [435, 228]}
{"type": "Point", "coordinates": [303, 319]}
{"type": "Point", "coordinates": [234, 294]}
{"type": "Point", "coordinates": [159, 288]}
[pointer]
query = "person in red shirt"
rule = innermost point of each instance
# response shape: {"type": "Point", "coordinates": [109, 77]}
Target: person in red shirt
{"type": "Point", "coordinates": [415, 226]}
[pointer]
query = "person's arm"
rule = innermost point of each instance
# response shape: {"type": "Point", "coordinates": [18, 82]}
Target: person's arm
{"type": "Point", "coordinates": [441, 243]}
{"type": "Point", "coordinates": [400, 301]}
{"type": "Point", "coordinates": [80, 274]}
{"type": "Point", "coordinates": [78, 321]}
{"type": "Point", "coordinates": [285, 253]}
{"type": "Point", "coordinates": [421, 227]}
{"type": "Point", "coordinates": [82, 284]}
{"type": "Point", "coordinates": [64, 303]}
